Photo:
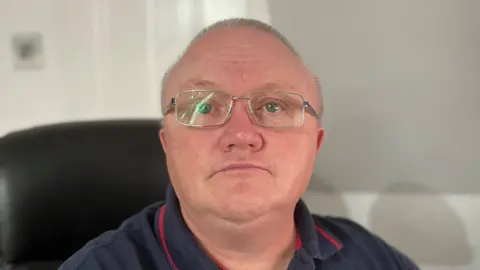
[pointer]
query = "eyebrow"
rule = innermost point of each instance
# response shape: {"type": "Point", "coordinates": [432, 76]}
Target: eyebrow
{"type": "Point", "coordinates": [207, 84]}
{"type": "Point", "coordinates": [199, 83]}
{"type": "Point", "coordinates": [279, 85]}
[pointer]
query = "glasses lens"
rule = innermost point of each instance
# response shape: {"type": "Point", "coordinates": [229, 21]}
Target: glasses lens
{"type": "Point", "coordinates": [277, 109]}
{"type": "Point", "coordinates": [202, 108]}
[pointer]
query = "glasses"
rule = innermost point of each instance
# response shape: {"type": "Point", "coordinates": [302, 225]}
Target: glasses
{"type": "Point", "coordinates": [205, 108]}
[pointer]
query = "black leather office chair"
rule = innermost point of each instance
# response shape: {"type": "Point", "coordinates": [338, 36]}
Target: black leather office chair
{"type": "Point", "coordinates": [64, 184]}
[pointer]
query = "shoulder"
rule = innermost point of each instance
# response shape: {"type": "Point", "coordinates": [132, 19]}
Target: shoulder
{"type": "Point", "coordinates": [113, 249]}
{"type": "Point", "coordinates": [360, 244]}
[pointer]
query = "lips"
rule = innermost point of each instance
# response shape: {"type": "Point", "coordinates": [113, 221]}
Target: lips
{"type": "Point", "coordinates": [242, 167]}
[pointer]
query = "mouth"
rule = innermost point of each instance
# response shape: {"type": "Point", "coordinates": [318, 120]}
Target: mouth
{"type": "Point", "coordinates": [242, 167]}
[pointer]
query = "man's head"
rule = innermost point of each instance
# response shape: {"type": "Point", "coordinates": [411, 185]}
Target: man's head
{"type": "Point", "coordinates": [240, 170]}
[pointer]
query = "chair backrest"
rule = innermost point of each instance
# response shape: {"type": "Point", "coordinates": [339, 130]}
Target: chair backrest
{"type": "Point", "coordinates": [64, 184]}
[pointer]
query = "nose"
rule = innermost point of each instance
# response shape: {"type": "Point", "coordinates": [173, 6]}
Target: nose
{"type": "Point", "coordinates": [240, 133]}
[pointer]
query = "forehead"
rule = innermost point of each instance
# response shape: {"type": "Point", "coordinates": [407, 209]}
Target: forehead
{"type": "Point", "coordinates": [240, 60]}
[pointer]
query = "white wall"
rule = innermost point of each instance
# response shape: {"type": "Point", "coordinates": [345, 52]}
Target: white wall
{"type": "Point", "coordinates": [17, 106]}
{"type": "Point", "coordinates": [402, 96]}
{"type": "Point", "coordinates": [98, 62]}
{"type": "Point", "coordinates": [400, 84]}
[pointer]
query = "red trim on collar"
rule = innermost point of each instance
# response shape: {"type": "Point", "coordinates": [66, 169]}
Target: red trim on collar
{"type": "Point", "coordinates": [328, 237]}
{"type": "Point", "coordinates": [298, 242]}
{"type": "Point", "coordinates": [161, 228]}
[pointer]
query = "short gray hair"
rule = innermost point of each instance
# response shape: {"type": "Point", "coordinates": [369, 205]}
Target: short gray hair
{"type": "Point", "coordinates": [244, 22]}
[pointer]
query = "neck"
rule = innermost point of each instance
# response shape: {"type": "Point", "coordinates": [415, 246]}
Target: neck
{"type": "Point", "coordinates": [268, 242]}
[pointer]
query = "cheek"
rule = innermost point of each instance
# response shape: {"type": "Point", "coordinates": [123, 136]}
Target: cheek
{"type": "Point", "coordinates": [187, 153]}
{"type": "Point", "coordinates": [298, 156]}
{"type": "Point", "coordinates": [294, 147]}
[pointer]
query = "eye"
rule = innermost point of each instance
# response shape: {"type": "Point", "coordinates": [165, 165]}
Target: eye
{"type": "Point", "coordinates": [203, 108]}
{"type": "Point", "coordinates": [272, 107]}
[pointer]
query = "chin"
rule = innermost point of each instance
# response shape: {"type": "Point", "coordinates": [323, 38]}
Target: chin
{"type": "Point", "coordinates": [242, 199]}
{"type": "Point", "coordinates": [243, 213]}
{"type": "Point", "coordinates": [243, 207]}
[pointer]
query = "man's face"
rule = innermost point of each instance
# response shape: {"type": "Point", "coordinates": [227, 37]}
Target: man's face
{"type": "Point", "coordinates": [240, 62]}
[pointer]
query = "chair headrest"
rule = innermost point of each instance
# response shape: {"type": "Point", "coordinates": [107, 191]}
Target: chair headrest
{"type": "Point", "coordinates": [66, 183]}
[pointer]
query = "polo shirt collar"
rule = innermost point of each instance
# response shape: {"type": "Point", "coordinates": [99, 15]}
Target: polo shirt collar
{"type": "Point", "coordinates": [183, 251]}
{"type": "Point", "coordinates": [316, 239]}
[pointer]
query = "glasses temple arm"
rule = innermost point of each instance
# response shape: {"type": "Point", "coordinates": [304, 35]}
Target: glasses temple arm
{"type": "Point", "coordinates": [310, 109]}
{"type": "Point", "coordinates": [170, 105]}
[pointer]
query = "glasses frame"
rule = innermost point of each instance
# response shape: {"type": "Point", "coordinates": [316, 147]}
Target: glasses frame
{"type": "Point", "coordinates": [305, 105]}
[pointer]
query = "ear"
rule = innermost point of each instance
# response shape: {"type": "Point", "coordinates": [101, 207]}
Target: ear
{"type": "Point", "coordinates": [161, 135]}
{"type": "Point", "coordinates": [320, 136]}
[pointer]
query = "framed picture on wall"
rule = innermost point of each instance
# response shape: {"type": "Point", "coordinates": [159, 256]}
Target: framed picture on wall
{"type": "Point", "coordinates": [28, 51]}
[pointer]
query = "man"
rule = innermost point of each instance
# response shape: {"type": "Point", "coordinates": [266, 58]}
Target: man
{"type": "Point", "coordinates": [241, 131]}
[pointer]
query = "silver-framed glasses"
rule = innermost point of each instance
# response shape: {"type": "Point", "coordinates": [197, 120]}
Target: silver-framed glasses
{"type": "Point", "coordinates": [208, 108]}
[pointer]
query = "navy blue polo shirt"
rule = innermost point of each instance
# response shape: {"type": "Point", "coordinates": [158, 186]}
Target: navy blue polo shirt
{"type": "Point", "coordinates": [157, 238]}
